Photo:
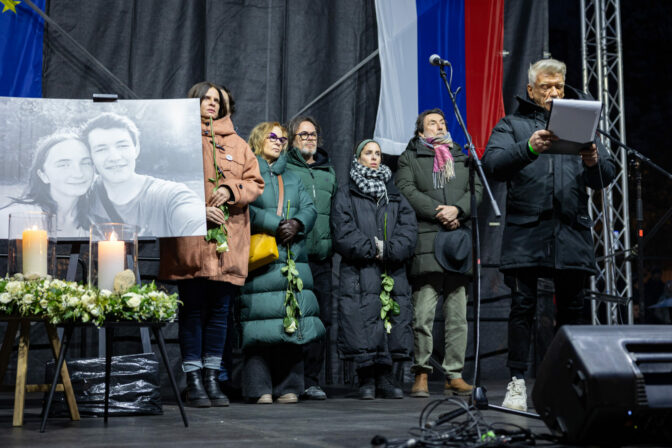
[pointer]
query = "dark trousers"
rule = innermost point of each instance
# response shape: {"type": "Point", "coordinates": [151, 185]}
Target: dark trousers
{"type": "Point", "coordinates": [314, 352]}
{"type": "Point", "coordinates": [203, 321]}
{"type": "Point", "coordinates": [276, 370]}
{"type": "Point", "coordinates": [569, 285]}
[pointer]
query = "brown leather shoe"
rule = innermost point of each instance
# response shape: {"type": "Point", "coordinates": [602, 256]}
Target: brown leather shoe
{"type": "Point", "coordinates": [420, 389]}
{"type": "Point", "coordinates": [457, 386]}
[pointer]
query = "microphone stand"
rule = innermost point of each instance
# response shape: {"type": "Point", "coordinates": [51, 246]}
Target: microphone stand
{"type": "Point", "coordinates": [478, 397]}
{"type": "Point", "coordinates": [636, 159]}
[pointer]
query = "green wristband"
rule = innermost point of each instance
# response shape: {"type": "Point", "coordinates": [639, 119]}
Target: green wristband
{"type": "Point", "coordinates": [529, 146]}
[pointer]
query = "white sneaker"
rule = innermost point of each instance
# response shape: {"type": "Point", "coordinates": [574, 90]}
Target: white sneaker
{"type": "Point", "coordinates": [516, 395]}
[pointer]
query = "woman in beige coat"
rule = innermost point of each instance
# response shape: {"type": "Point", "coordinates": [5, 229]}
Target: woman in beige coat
{"type": "Point", "coordinates": [209, 273]}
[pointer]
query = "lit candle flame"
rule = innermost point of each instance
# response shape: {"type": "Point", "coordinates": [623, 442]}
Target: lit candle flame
{"type": "Point", "coordinates": [113, 236]}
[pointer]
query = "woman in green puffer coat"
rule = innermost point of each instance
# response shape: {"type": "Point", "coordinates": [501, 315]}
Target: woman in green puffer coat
{"type": "Point", "coordinates": [272, 332]}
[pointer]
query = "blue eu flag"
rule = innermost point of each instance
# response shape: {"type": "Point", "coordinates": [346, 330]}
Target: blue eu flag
{"type": "Point", "coordinates": [21, 36]}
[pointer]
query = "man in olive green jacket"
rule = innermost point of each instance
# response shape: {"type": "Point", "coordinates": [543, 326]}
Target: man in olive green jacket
{"type": "Point", "coordinates": [312, 164]}
{"type": "Point", "coordinates": [433, 175]}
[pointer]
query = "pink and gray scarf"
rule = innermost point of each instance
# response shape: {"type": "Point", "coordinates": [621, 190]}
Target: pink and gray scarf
{"type": "Point", "coordinates": [444, 165]}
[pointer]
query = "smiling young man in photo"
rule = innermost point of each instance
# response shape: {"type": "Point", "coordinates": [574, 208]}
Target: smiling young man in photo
{"type": "Point", "coordinates": [158, 207]}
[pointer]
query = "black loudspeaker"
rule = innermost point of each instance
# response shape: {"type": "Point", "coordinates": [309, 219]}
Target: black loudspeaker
{"type": "Point", "coordinates": [608, 384]}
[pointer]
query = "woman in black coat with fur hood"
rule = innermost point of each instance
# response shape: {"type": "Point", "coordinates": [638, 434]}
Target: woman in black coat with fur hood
{"type": "Point", "coordinates": [375, 230]}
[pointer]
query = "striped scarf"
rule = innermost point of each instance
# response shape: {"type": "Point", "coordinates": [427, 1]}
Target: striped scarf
{"type": "Point", "coordinates": [444, 165]}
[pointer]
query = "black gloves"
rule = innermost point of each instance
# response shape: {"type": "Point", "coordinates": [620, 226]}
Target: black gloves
{"type": "Point", "coordinates": [287, 230]}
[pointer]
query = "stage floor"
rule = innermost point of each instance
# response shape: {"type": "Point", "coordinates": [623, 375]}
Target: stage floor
{"type": "Point", "coordinates": [341, 421]}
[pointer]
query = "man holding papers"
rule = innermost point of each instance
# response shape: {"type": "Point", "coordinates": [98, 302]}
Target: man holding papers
{"type": "Point", "coordinates": [547, 229]}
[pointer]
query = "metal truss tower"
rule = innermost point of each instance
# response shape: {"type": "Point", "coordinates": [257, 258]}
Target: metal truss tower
{"type": "Point", "coordinates": [603, 75]}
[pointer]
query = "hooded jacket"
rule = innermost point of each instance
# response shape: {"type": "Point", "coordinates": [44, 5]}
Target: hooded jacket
{"type": "Point", "coordinates": [547, 222]}
{"type": "Point", "coordinates": [194, 257]}
{"type": "Point", "coordinates": [319, 179]}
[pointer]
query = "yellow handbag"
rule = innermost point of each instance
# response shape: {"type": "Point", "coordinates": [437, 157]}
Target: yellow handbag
{"type": "Point", "coordinates": [263, 247]}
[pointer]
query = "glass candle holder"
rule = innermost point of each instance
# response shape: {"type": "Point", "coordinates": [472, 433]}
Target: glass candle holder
{"type": "Point", "coordinates": [31, 248]}
{"type": "Point", "coordinates": [113, 248]}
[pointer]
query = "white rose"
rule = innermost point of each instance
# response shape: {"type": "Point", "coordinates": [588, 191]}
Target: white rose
{"type": "Point", "coordinates": [5, 297]}
{"type": "Point", "coordinates": [18, 276]}
{"type": "Point", "coordinates": [94, 312]}
{"type": "Point", "coordinates": [44, 303]}
{"type": "Point", "coordinates": [291, 328]}
{"type": "Point", "coordinates": [134, 301]}
{"type": "Point", "coordinates": [28, 299]}
{"type": "Point", "coordinates": [105, 293]}
{"type": "Point", "coordinates": [14, 287]}
{"type": "Point", "coordinates": [58, 283]}
{"type": "Point", "coordinates": [73, 301]}
{"type": "Point", "coordinates": [87, 299]}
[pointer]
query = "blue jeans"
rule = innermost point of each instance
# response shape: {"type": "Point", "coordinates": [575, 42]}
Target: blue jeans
{"type": "Point", "coordinates": [202, 322]}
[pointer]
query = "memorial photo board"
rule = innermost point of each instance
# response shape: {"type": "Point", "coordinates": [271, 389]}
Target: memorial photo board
{"type": "Point", "coordinates": [137, 162]}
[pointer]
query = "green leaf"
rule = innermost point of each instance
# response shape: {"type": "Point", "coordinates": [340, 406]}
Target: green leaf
{"type": "Point", "coordinates": [382, 314]}
{"type": "Point", "coordinates": [299, 284]}
{"type": "Point", "coordinates": [211, 179]}
{"type": "Point", "coordinates": [396, 309]}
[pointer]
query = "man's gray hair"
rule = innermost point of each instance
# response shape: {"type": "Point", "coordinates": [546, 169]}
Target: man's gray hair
{"type": "Point", "coordinates": [546, 66]}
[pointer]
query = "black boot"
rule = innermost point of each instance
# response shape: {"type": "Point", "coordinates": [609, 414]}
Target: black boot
{"type": "Point", "coordinates": [194, 394]}
{"type": "Point", "coordinates": [217, 397]}
{"type": "Point", "coordinates": [386, 384]}
{"type": "Point", "coordinates": [367, 383]}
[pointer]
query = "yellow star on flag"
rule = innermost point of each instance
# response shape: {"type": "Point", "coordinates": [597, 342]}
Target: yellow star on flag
{"type": "Point", "coordinates": [10, 5]}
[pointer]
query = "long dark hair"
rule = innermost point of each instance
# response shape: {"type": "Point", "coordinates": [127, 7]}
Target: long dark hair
{"type": "Point", "coordinates": [37, 192]}
{"type": "Point", "coordinates": [199, 90]}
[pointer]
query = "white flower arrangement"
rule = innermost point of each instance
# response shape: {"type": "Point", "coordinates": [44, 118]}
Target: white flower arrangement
{"type": "Point", "coordinates": [58, 301]}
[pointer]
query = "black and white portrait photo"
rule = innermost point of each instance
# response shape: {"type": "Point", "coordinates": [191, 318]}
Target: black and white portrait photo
{"type": "Point", "coordinates": [136, 162]}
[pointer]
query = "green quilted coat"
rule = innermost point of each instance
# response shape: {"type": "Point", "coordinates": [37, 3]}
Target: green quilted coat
{"type": "Point", "coordinates": [261, 302]}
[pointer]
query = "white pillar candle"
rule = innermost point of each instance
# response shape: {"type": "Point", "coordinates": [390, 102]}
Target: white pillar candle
{"type": "Point", "coordinates": [34, 245]}
{"type": "Point", "coordinates": [111, 255]}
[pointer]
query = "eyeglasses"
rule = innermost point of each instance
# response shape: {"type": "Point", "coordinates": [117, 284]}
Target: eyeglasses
{"type": "Point", "coordinates": [274, 138]}
{"type": "Point", "coordinates": [308, 135]}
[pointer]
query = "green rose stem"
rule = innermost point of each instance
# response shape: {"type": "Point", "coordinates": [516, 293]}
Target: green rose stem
{"type": "Point", "coordinates": [388, 304]}
{"type": "Point", "coordinates": [294, 282]}
{"type": "Point", "coordinates": [218, 234]}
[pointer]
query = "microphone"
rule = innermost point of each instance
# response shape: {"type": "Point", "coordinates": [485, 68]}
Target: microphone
{"type": "Point", "coordinates": [435, 59]}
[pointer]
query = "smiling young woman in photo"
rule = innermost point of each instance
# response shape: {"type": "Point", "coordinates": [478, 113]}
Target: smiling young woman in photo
{"type": "Point", "coordinates": [59, 179]}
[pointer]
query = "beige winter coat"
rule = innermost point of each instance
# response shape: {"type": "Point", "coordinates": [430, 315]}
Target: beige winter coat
{"type": "Point", "coordinates": [194, 257]}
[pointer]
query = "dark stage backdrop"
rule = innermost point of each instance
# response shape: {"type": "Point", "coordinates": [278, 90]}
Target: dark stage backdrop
{"type": "Point", "coordinates": [275, 56]}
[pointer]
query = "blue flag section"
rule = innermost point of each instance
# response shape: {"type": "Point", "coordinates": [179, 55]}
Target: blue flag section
{"type": "Point", "coordinates": [21, 36]}
{"type": "Point", "coordinates": [441, 31]}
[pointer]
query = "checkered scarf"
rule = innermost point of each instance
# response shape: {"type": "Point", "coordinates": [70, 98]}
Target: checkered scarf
{"type": "Point", "coordinates": [371, 181]}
